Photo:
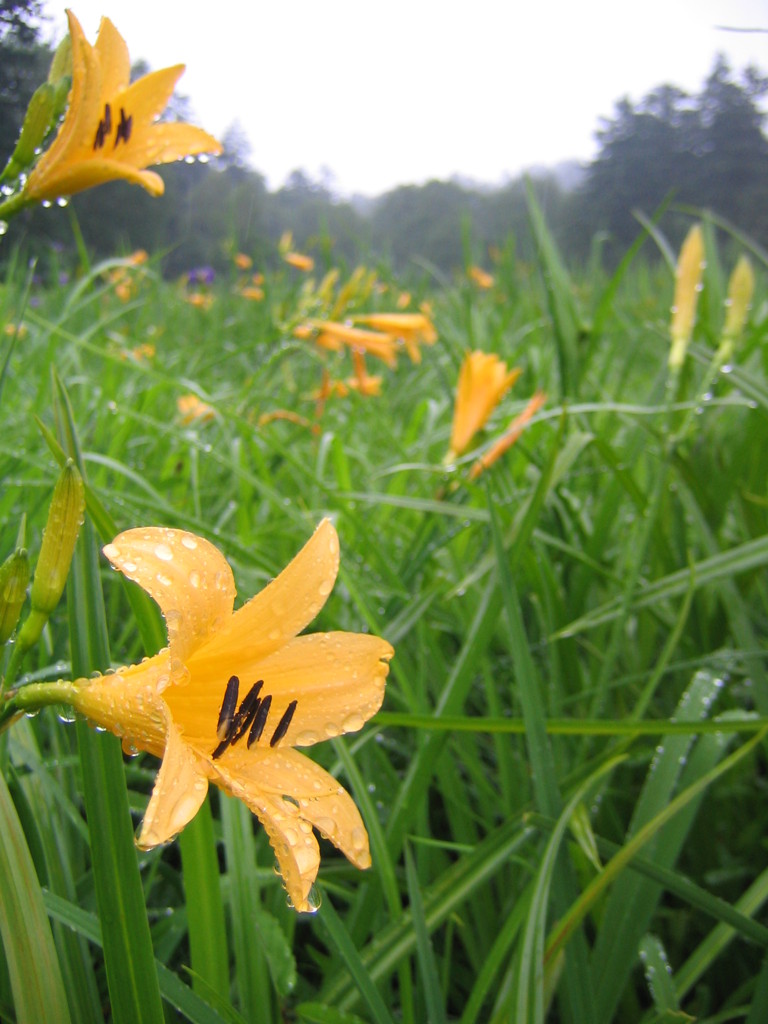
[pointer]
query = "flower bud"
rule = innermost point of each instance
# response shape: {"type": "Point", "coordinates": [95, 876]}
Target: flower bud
{"type": "Point", "coordinates": [65, 517]}
{"type": "Point", "coordinates": [14, 579]}
{"type": "Point", "coordinates": [690, 267]}
{"type": "Point", "coordinates": [37, 122]}
{"type": "Point", "coordinates": [740, 289]}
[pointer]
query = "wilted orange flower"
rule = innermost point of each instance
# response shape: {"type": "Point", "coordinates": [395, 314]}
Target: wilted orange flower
{"type": "Point", "coordinates": [334, 336]}
{"type": "Point", "coordinates": [192, 408]}
{"type": "Point", "coordinates": [510, 435]}
{"type": "Point", "coordinates": [483, 381]}
{"type": "Point", "coordinates": [300, 261]}
{"type": "Point", "coordinates": [287, 414]}
{"type": "Point", "coordinates": [410, 328]}
{"type": "Point", "coordinates": [234, 692]}
{"type": "Point", "coordinates": [109, 130]}
{"type": "Point", "coordinates": [243, 261]}
{"type": "Point", "coordinates": [480, 277]}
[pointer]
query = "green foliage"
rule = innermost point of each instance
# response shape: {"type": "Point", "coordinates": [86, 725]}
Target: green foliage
{"type": "Point", "coordinates": [564, 789]}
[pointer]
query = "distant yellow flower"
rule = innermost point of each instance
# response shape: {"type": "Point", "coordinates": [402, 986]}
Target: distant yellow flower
{"type": "Point", "coordinates": [144, 351]}
{"type": "Point", "coordinates": [334, 336]}
{"type": "Point", "coordinates": [138, 257]}
{"type": "Point", "coordinates": [16, 331]}
{"type": "Point", "coordinates": [410, 328]}
{"type": "Point", "coordinates": [250, 291]}
{"type": "Point", "coordinates": [690, 268]}
{"type": "Point", "coordinates": [363, 382]}
{"type": "Point", "coordinates": [243, 261]}
{"type": "Point", "coordinates": [403, 300]}
{"type": "Point", "coordinates": [202, 300]}
{"type": "Point", "coordinates": [510, 435]}
{"type": "Point", "coordinates": [192, 408]}
{"type": "Point", "coordinates": [483, 381]}
{"type": "Point", "coordinates": [300, 261]}
{"type": "Point", "coordinates": [234, 692]}
{"type": "Point", "coordinates": [480, 277]}
{"type": "Point", "coordinates": [109, 130]}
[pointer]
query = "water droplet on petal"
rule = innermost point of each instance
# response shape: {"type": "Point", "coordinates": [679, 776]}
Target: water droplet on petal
{"type": "Point", "coordinates": [163, 552]}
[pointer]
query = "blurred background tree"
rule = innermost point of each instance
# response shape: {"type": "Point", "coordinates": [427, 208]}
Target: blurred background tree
{"type": "Point", "coordinates": [705, 150]}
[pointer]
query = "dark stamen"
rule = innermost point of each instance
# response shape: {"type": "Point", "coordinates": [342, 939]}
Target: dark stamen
{"type": "Point", "coordinates": [105, 127]}
{"type": "Point", "coordinates": [260, 720]}
{"type": "Point", "coordinates": [246, 713]}
{"type": "Point", "coordinates": [124, 128]}
{"type": "Point", "coordinates": [282, 725]}
{"type": "Point", "coordinates": [228, 706]}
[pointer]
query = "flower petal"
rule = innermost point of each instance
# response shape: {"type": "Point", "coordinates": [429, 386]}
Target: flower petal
{"type": "Point", "coordinates": [296, 849]}
{"type": "Point", "coordinates": [114, 59]}
{"type": "Point", "coordinates": [277, 613]}
{"type": "Point", "coordinates": [289, 793]}
{"type": "Point", "coordinates": [188, 577]}
{"type": "Point", "coordinates": [180, 788]}
{"type": "Point", "coordinates": [337, 680]}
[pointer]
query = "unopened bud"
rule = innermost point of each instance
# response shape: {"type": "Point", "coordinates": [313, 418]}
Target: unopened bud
{"type": "Point", "coordinates": [61, 65]}
{"type": "Point", "coordinates": [37, 122]}
{"type": "Point", "coordinates": [690, 267]}
{"type": "Point", "coordinates": [65, 517]}
{"type": "Point", "coordinates": [14, 580]}
{"type": "Point", "coordinates": [740, 289]}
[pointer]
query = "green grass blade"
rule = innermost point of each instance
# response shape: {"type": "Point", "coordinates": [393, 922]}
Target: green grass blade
{"type": "Point", "coordinates": [30, 955]}
{"type": "Point", "coordinates": [208, 946]}
{"type": "Point", "coordinates": [128, 953]}
{"type": "Point", "coordinates": [340, 942]}
{"type": "Point", "coordinates": [430, 982]}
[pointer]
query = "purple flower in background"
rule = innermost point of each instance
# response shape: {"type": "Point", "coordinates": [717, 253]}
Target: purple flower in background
{"type": "Point", "coordinates": [201, 275]}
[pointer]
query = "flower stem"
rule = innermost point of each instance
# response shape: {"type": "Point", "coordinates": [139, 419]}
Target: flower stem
{"type": "Point", "coordinates": [15, 204]}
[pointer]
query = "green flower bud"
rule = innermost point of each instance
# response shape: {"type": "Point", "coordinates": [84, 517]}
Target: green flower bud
{"type": "Point", "coordinates": [14, 579]}
{"type": "Point", "coordinates": [37, 121]}
{"type": "Point", "coordinates": [65, 517]}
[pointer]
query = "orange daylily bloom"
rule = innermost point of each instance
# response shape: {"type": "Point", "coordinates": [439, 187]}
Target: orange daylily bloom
{"type": "Point", "coordinates": [192, 408]}
{"type": "Point", "coordinates": [109, 130]}
{"type": "Point", "coordinates": [410, 328]}
{"type": "Point", "coordinates": [243, 261]}
{"type": "Point", "coordinates": [363, 382]}
{"type": "Point", "coordinates": [252, 292]}
{"type": "Point", "coordinates": [234, 692]}
{"type": "Point", "coordinates": [480, 277]}
{"type": "Point", "coordinates": [334, 335]}
{"type": "Point", "coordinates": [300, 261]}
{"type": "Point", "coordinates": [510, 435]}
{"type": "Point", "coordinates": [483, 381]}
{"type": "Point", "coordinates": [202, 300]}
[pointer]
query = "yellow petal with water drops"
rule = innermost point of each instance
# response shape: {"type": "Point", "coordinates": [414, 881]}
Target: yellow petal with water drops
{"type": "Point", "coordinates": [114, 59]}
{"type": "Point", "coordinates": [180, 788]}
{"type": "Point", "coordinates": [188, 577]}
{"type": "Point", "coordinates": [280, 611]}
{"type": "Point", "coordinates": [337, 680]}
{"type": "Point", "coordinates": [321, 799]}
{"type": "Point", "coordinates": [290, 835]}
{"type": "Point", "coordinates": [144, 100]}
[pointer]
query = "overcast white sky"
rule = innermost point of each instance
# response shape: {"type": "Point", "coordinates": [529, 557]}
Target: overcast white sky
{"type": "Point", "coordinates": [384, 94]}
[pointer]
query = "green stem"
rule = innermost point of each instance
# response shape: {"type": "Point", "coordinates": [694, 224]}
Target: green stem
{"type": "Point", "coordinates": [34, 696]}
{"type": "Point", "coordinates": [15, 204]}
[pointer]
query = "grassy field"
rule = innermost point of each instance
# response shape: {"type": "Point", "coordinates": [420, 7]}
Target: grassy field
{"type": "Point", "coordinates": [564, 789]}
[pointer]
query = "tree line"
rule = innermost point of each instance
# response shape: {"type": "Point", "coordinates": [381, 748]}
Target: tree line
{"type": "Point", "coordinates": [703, 150]}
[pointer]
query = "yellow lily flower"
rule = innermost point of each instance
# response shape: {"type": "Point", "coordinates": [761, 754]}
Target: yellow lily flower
{"type": "Point", "coordinates": [234, 692]}
{"type": "Point", "coordinates": [483, 381]}
{"type": "Point", "coordinates": [334, 335]}
{"type": "Point", "coordinates": [410, 328]}
{"type": "Point", "coordinates": [109, 130]}
{"type": "Point", "coordinates": [480, 277]}
{"type": "Point", "coordinates": [192, 408]}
